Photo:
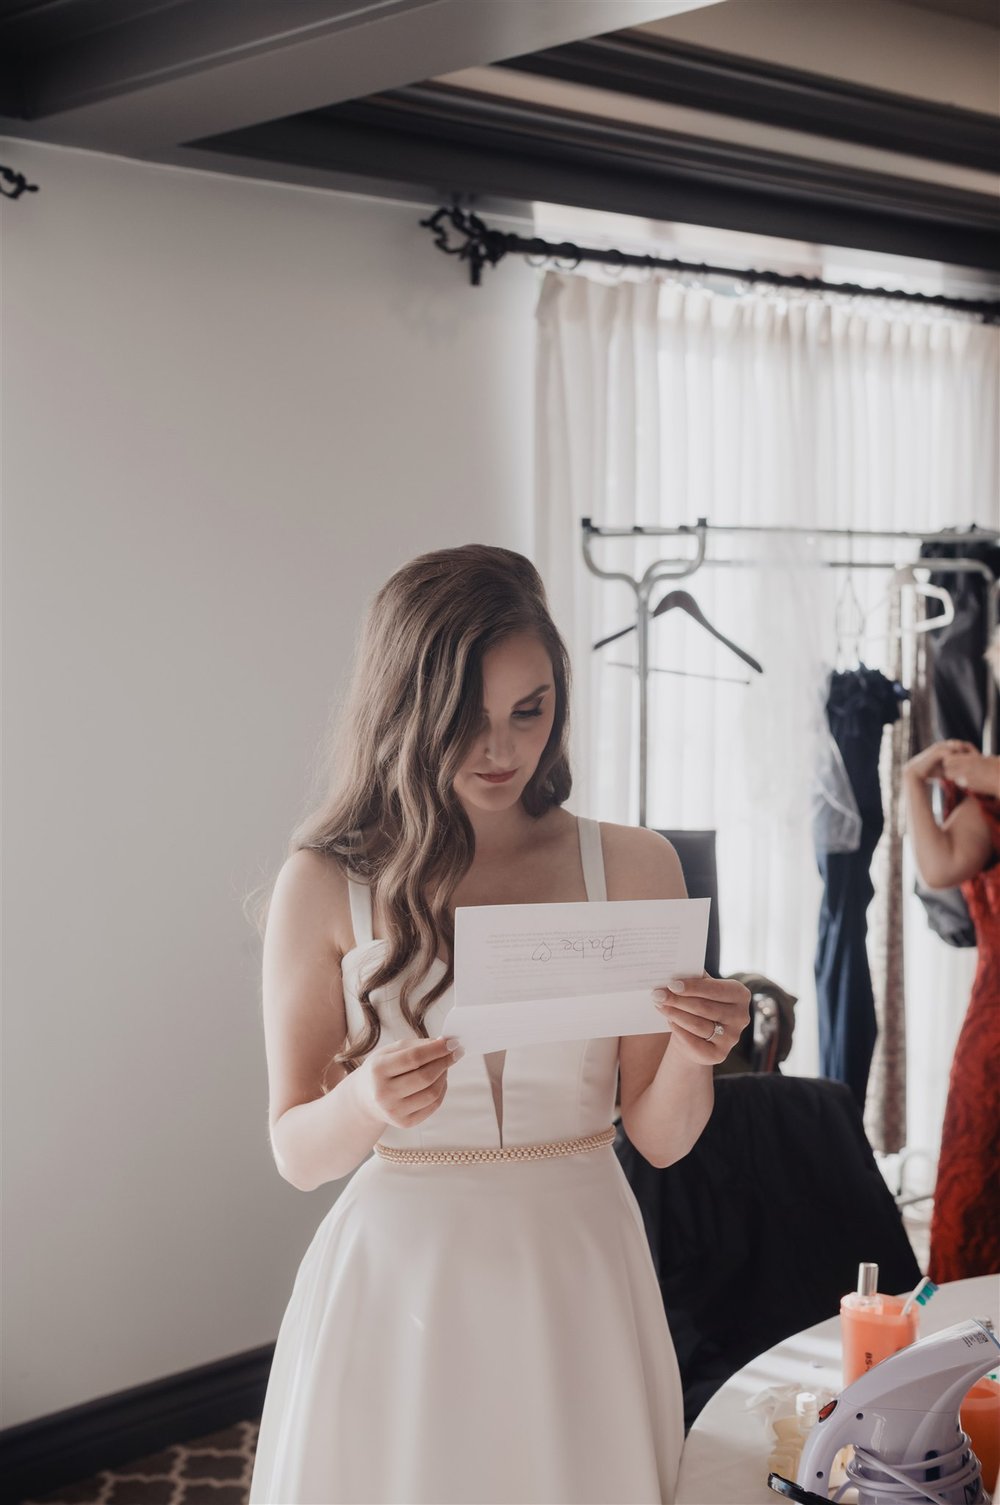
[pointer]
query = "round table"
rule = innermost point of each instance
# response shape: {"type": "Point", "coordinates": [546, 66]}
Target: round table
{"type": "Point", "coordinates": [724, 1461]}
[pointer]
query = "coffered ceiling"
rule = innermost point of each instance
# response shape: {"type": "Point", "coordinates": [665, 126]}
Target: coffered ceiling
{"type": "Point", "coordinates": [615, 104]}
{"type": "Point", "coordinates": [984, 12]}
{"type": "Point", "coordinates": [141, 77]}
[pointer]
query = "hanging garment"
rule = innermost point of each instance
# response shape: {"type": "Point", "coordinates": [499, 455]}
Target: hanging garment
{"type": "Point", "coordinates": [885, 1104]}
{"type": "Point", "coordinates": [481, 1331]}
{"type": "Point", "coordinates": [861, 701]}
{"type": "Point", "coordinates": [836, 819]}
{"type": "Point", "coordinates": [959, 685]}
{"type": "Point", "coordinates": [965, 1224]}
{"type": "Point", "coordinates": [961, 678]}
{"type": "Point", "coordinates": [946, 909]}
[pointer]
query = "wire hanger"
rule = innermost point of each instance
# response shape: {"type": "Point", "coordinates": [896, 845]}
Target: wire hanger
{"type": "Point", "coordinates": [686, 602]}
{"type": "Point", "coordinates": [728, 679]}
{"type": "Point", "coordinates": [850, 615]}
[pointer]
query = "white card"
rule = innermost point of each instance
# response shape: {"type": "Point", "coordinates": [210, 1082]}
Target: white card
{"type": "Point", "coordinates": [529, 973]}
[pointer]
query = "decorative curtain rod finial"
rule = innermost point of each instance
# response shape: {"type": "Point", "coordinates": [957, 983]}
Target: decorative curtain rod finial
{"type": "Point", "coordinates": [19, 181]}
{"type": "Point", "coordinates": [481, 244]}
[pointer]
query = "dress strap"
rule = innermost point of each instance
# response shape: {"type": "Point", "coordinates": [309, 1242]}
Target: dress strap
{"type": "Point", "coordinates": [592, 854]}
{"type": "Point", "coordinates": [360, 896]}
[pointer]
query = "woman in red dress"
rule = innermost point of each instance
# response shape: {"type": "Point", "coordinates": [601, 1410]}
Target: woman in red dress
{"type": "Point", "coordinates": [965, 850]}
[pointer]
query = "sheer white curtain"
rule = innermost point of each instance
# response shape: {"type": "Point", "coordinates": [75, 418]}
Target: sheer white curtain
{"type": "Point", "coordinates": [660, 404]}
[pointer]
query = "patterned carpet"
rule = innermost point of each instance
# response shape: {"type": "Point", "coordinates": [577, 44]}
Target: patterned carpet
{"type": "Point", "coordinates": [213, 1470]}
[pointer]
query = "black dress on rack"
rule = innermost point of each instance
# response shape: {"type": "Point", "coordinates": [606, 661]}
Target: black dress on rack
{"type": "Point", "coordinates": [960, 686]}
{"type": "Point", "coordinates": [961, 681]}
{"type": "Point", "coordinates": [860, 703]}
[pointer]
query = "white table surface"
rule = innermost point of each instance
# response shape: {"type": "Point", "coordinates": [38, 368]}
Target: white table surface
{"type": "Point", "coordinates": [725, 1456]}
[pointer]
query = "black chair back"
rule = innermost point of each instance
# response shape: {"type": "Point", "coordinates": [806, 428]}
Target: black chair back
{"type": "Point", "coordinates": [696, 850]}
{"type": "Point", "coordinates": [759, 1231]}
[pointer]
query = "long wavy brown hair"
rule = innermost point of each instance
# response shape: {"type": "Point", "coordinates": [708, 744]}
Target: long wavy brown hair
{"type": "Point", "coordinates": [413, 710]}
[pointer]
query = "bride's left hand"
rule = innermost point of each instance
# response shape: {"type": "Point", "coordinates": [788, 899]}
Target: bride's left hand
{"type": "Point", "coordinates": [707, 1015]}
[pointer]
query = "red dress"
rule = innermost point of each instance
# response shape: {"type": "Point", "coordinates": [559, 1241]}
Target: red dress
{"type": "Point", "coordinates": [965, 1227]}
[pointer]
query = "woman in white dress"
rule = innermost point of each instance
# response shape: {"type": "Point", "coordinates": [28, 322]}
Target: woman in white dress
{"type": "Point", "coordinates": [471, 1323]}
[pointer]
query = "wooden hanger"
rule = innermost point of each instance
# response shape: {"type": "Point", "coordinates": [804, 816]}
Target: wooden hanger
{"type": "Point", "coordinates": [686, 602]}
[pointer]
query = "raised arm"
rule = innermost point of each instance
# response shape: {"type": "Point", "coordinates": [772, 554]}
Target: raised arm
{"type": "Point", "coordinates": [960, 847]}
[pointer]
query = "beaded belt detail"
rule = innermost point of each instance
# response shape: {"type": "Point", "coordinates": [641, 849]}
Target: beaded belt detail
{"type": "Point", "coordinates": [508, 1152]}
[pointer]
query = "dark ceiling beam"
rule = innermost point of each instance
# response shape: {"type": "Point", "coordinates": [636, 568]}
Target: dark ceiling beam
{"type": "Point", "coordinates": [99, 73]}
{"type": "Point", "coordinates": [700, 78]}
{"type": "Point", "coordinates": [458, 142]}
{"type": "Point", "coordinates": [139, 77]}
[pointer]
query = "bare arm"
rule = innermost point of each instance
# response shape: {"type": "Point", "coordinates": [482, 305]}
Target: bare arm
{"type": "Point", "coordinates": [315, 1136]}
{"type": "Point", "coordinates": [960, 847]}
{"type": "Point", "coordinates": [667, 1088]}
{"type": "Point", "coordinates": [666, 1117]}
{"type": "Point", "coordinates": [326, 1139]}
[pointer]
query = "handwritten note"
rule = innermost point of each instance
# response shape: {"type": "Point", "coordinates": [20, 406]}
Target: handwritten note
{"type": "Point", "coordinates": [529, 973]}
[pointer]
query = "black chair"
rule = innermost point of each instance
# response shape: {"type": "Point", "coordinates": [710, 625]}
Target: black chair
{"type": "Point", "coordinates": [759, 1231]}
{"type": "Point", "coordinates": [696, 850]}
{"type": "Point", "coordinates": [768, 1036]}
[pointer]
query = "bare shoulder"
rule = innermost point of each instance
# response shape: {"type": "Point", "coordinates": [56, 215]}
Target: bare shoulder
{"type": "Point", "coordinates": [313, 885]}
{"type": "Point", "coordinates": [304, 1009]}
{"type": "Point", "coordinates": [640, 864]}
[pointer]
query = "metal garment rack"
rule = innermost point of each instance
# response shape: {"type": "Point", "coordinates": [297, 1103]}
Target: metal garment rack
{"type": "Point", "coordinates": [679, 568]}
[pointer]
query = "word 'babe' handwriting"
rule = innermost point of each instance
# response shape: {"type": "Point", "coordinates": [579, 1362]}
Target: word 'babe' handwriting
{"type": "Point", "coordinates": [526, 974]}
{"type": "Point", "coordinates": [602, 947]}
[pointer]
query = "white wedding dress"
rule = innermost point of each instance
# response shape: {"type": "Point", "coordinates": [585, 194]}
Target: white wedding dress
{"type": "Point", "coordinates": [486, 1333]}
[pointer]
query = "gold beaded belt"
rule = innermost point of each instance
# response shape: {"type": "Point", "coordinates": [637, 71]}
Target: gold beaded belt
{"type": "Point", "coordinates": [508, 1152]}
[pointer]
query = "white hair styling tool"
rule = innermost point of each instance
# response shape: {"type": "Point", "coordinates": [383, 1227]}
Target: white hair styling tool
{"type": "Point", "coordinates": [902, 1420]}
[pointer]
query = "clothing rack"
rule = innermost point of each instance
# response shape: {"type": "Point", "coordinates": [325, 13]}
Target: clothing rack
{"type": "Point", "coordinates": [679, 568]}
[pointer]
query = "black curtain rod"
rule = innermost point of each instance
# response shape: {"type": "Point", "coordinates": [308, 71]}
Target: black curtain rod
{"type": "Point", "coordinates": [483, 246]}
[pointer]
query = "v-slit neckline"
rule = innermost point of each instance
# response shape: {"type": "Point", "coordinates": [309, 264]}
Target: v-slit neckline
{"type": "Point", "coordinates": [494, 1061]}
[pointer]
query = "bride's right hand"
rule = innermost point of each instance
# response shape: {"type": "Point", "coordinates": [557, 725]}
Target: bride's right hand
{"type": "Point", "coordinates": [404, 1083]}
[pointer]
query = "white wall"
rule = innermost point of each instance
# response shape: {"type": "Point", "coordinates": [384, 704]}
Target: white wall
{"type": "Point", "coordinates": [230, 409]}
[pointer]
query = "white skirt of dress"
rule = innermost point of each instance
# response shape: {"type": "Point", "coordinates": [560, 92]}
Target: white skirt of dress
{"type": "Point", "coordinates": [487, 1334]}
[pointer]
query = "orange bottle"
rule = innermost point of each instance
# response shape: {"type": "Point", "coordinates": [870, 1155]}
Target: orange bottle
{"type": "Point", "coordinates": [980, 1417]}
{"type": "Point", "coordinates": [872, 1325]}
